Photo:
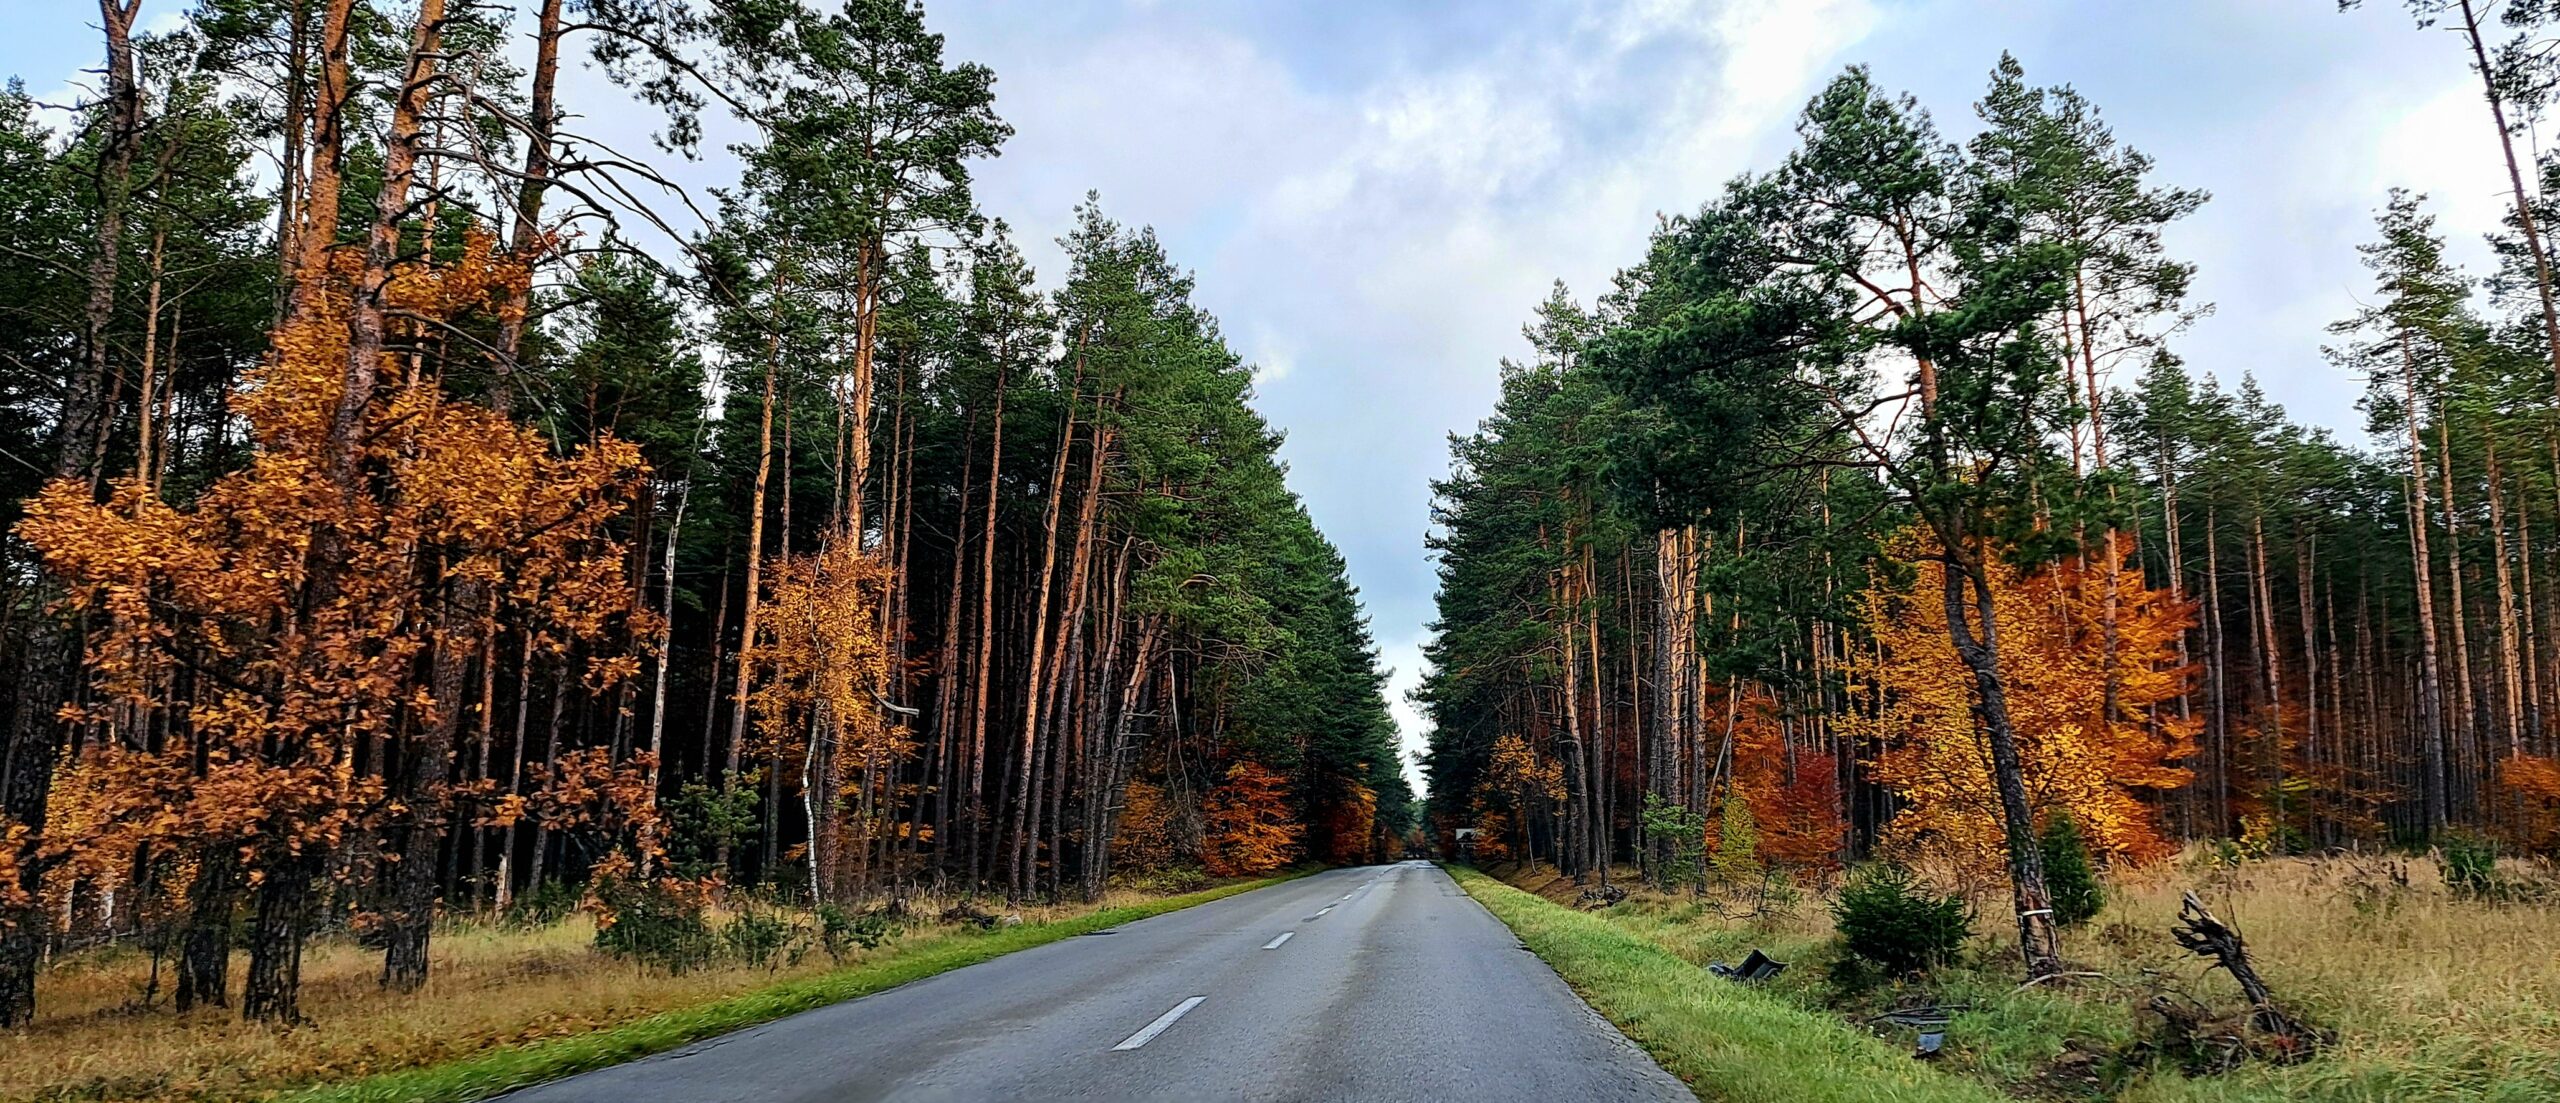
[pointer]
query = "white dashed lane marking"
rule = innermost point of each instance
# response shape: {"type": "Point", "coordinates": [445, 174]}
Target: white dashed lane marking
{"type": "Point", "coordinates": [1148, 1033]}
{"type": "Point", "coordinates": [1274, 944]}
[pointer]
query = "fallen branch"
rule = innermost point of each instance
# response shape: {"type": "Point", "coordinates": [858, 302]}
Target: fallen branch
{"type": "Point", "coordinates": [2206, 936]}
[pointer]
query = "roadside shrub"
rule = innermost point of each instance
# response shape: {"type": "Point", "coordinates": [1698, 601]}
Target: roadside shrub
{"type": "Point", "coordinates": [2069, 878]}
{"type": "Point", "coordinates": [1683, 834]}
{"type": "Point", "coordinates": [652, 922]}
{"type": "Point", "coordinates": [1170, 880]}
{"type": "Point", "coordinates": [840, 931]}
{"type": "Point", "coordinates": [1885, 917]}
{"type": "Point", "coordinates": [762, 939]}
{"type": "Point", "coordinates": [1737, 860]}
{"type": "Point", "coordinates": [548, 903]}
{"type": "Point", "coordinates": [2470, 865]}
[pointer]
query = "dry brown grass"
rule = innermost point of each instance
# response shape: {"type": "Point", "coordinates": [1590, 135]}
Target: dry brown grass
{"type": "Point", "coordinates": [2433, 996]}
{"type": "Point", "coordinates": [489, 986]}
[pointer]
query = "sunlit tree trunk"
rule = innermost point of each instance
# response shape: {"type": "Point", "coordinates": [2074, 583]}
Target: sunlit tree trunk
{"type": "Point", "coordinates": [754, 595]}
{"type": "Point", "coordinates": [2510, 669]}
{"type": "Point", "coordinates": [980, 690]}
{"type": "Point", "coordinates": [2433, 805]}
{"type": "Point", "coordinates": [1035, 667]}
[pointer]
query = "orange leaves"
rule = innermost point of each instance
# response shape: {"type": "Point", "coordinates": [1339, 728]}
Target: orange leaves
{"type": "Point", "coordinates": [1517, 770]}
{"type": "Point", "coordinates": [2531, 784]}
{"type": "Point", "coordinates": [823, 652]}
{"type": "Point", "coordinates": [1250, 829]}
{"type": "Point", "coordinates": [1146, 837]}
{"type": "Point", "coordinates": [1492, 841]}
{"type": "Point", "coordinates": [1919, 698]}
{"type": "Point", "coordinates": [1349, 824]}
{"type": "Point", "coordinates": [588, 788]}
{"type": "Point", "coordinates": [245, 646]}
{"type": "Point", "coordinates": [1793, 792]}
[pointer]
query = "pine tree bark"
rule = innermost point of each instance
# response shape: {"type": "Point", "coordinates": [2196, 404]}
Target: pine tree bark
{"type": "Point", "coordinates": [755, 571]}
{"type": "Point", "coordinates": [2465, 729]}
{"type": "Point", "coordinates": [542, 120]}
{"type": "Point", "coordinates": [980, 689]}
{"type": "Point", "coordinates": [2510, 670]}
{"type": "Point", "coordinates": [2433, 803]}
{"type": "Point", "coordinates": [1036, 666]}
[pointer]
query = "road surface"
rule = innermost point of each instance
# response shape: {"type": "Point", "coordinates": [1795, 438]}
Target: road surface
{"type": "Point", "coordinates": [1380, 983]}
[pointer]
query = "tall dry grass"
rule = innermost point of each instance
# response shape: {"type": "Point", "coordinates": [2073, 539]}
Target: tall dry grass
{"type": "Point", "coordinates": [489, 985]}
{"type": "Point", "coordinates": [2432, 995]}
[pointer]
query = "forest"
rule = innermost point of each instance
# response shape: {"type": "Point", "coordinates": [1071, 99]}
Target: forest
{"type": "Point", "coordinates": [1872, 512]}
{"type": "Point", "coordinates": [480, 605]}
{"type": "Point", "coordinates": [418, 508]}
{"type": "Point", "coordinates": [1864, 580]}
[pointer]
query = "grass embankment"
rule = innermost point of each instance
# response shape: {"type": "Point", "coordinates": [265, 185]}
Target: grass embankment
{"type": "Point", "coordinates": [2433, 996]}
{"type": "Point", "coordinates": [1728, 1042]}
{"type": "Point", "coordinates": [504, 1008]}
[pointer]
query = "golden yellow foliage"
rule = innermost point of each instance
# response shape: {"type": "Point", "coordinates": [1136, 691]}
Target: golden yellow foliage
{"type": "Point", "coordinates": [826, 669]}
{"type": "Point", "coordinates": [1145, 839]}
{"type": "Point", "coordinates": [1517, 770]}
{"type": "Point", "coordinates": [1917, 707]}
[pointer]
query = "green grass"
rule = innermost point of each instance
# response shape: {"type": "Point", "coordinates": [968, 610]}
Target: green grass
{"type": "Point", "coordinates": [506, 1069]}
{"type": "Point", "coordinates": [1727, 1041]}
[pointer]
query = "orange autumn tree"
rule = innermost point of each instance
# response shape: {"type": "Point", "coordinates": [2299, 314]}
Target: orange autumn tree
{"type": "Point", "coordinates": [258, 659]}
{"type": "Point", "coordinates": [1349, 826]}
{"type": "Point", "coordinates": [1793, 791]}
{"type": "Point", "coordinates": [1917, 699]}
{"type": "Point", "coordinates": [1493, 833]}
{"type": "Point", "coordinates": [2530, 786]}
{"type": "Point", "coordinates": [825, 667]}
{"type": "Point", "coordinates": [1149, 835]}
{"type": "Point", "coordinates": [1251, 831]}
{"type": "Point", "coordinates": [1518, 773]}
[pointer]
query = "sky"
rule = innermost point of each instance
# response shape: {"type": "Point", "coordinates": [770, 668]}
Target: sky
{"type": "Point", "coordinates": [1375, 193]}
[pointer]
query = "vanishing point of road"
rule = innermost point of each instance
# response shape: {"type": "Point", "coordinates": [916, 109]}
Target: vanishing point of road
{"type": "Point", "coordinates": [1379, 983]}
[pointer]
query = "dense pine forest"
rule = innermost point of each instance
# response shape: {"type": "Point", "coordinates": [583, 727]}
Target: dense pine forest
{"type": "Point", "coordinates": [417, 507]}
{"type": "Point", "coordinates": [1872, 511]}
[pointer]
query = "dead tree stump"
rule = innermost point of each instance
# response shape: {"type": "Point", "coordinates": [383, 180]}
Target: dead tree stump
{"type": "Point", "coordinates": [2290, 1039]}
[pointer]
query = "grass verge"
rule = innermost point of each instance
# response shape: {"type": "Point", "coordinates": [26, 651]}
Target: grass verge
{"type": "Point", "coordinates": [2434, 996]}
{"type": "Point", "coordinates": [505, 1069]}
{"type": "Point", "coordinates": [1726, 1041]}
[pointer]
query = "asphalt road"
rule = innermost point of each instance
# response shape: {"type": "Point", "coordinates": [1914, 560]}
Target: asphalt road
{"type": "Point", "coordinates": [1380, 983]}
